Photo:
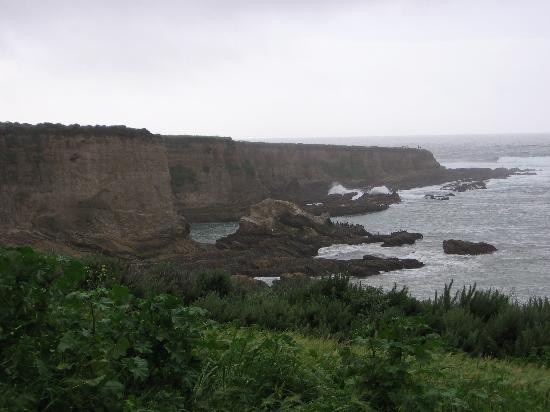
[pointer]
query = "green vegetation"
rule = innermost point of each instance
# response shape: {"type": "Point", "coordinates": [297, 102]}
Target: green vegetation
{"type": "Point", "coordinates": [181, 176]}
{"type": "Point", "coordinates": [73, 337]}
{"type": "Point", "coordinates": [25, 129]}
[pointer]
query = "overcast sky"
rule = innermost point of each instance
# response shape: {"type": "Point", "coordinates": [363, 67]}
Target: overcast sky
{"type": "Point", "coordinates": [279, 68]}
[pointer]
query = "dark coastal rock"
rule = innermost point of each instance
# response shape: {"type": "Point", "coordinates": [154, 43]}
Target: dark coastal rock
{"type": "Point", "coordinates": [398, 238]}
{"type": "Point", "coordinates": [401, 238]}
{"type": "Point", "coordinates": [341, 205]}
{"type": "Point", "coordinates": [277, 226]}
{"type": "Point", "coordinates": [462, 186]}
{"type": "Point", "coordinates": [388, 264]}
{"type": "Point", "coordinates": [438, 196]}
{"type": "Point", "coordinates": [280, 239]}
{"type": "Point", "coordinates": [525, 172]}
{"type": "Point", "coordinates": [462, 247]}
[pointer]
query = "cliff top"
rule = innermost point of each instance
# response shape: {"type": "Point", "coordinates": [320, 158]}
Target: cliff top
{"type": "Point", "coordinates": [30, 130]}
{"type": "Point", "coordinates": [70, 130]}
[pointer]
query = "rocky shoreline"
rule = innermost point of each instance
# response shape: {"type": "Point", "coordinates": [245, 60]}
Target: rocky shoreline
{"type": "Point", "coordinates": [279, 238]}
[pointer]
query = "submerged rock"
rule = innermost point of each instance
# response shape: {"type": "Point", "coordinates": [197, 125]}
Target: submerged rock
{"type": "Point", "coordinates": [438, 196]}
{"type": "Point", "coordinates": [387, 264]}
{"type": "Point", "coordinates": [462, 186]}
{"type": "Point", "coordinates": [462, 247]}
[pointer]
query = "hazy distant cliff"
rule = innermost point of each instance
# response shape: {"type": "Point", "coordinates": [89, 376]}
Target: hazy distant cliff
{"type": "Point", "coordinates": [223, 177]}
{"type": "Point", "coordinates": [127, 190]}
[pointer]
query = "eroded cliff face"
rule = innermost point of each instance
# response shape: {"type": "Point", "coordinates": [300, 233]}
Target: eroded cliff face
{"type": "Point", "coordinates": [217, 179]}
{"type": "Point", "coordinates": [106, 189]}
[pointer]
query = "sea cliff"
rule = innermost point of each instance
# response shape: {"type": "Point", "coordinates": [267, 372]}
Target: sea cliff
{"type": "Point", "coordinates": [218, 179]}
{"type": "Point", "coordinates": [128, 191]}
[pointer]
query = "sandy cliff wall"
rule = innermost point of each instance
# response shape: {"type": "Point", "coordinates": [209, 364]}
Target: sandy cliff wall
{"type": "Point", "coordinates": [96, 188]}
{"type": "Point", "coordinates": [221, 178]}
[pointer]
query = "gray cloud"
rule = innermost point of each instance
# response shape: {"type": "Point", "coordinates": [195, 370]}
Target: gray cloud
{"type": "Point", "coordinates": [279, 68]}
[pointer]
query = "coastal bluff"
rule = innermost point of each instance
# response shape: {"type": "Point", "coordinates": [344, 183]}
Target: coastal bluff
{"type": "Point", "coordinates": [218, 179]}
{"type": "Point", "coordinates": [128, 191]}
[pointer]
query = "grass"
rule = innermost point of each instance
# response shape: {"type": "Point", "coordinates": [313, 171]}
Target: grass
{"type": "Point", "coordinates": [473, 384]}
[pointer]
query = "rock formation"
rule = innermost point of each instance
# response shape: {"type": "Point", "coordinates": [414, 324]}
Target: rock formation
{"type": "Point", "coordinates": [462, 186]}
{"type": "Point", "coordinates": [342, 205]}
{"type": "Point", "coordinates": [279, 238]}
{"type": "Point", "coordinates": [462, 247]}
{"type": "Point", "coordinates": [388, 264]}
{"type": "Point", "coordinates": [281, 227]}
{"type": "Point", "coordinates": [400, 238]}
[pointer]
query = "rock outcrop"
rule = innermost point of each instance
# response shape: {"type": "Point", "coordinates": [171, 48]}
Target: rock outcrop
{"type": "Point", "coordinates": [462, 186]}
{"type": "Point", "coordinates": [281, 227]}
{"type": "Point", "coordinates": [389, 264]}
{"type": "Point", "coordinates": [342, 205]}
{"type": "Point", "coordinates": [462, 247]}
{"type": "Point", "coordinates": [439, 196]}
{"type": "Point", "coordinates": [279, 239]}
{"type": "Point", "coordinates": [399, 238]}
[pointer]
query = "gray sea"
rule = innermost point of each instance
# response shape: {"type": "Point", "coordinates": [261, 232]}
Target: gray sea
{"type": "Point", "coordinates": [513, 214]}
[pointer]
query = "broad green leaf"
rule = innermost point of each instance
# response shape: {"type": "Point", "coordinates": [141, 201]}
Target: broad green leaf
{"type": "Point", "coordinates": [112, 386]}
{"type": "Point", "coordinates": [120, 294]}
{"type": "Point", "coordinates": [139, 368]}
{"type": "Point", "coordinates": [67, 341]}
{"type": "Point", "coordinates": [120, 348]}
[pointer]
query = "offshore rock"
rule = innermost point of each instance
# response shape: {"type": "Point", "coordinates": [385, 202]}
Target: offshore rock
{"type": "Point", "coordinates": [388, 264]}
{"type": "Point", "coordinates": [278, 226]}
{"type": "Point", "coordinates": [462, 247]}
{"type": "Point", "coordinates": [341, 205]}
{"type": "Point", "coordinates": [462, 186]}
{"type": "Point", "coordinates": [439, 196]}
{"type": "Point", "coordinates": [398, 238]}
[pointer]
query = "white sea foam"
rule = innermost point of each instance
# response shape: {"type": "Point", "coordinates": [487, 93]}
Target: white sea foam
{"type": "Point", "coordinates": [380, 190]}
{"type": "Point", "coordinates": [338, 189]}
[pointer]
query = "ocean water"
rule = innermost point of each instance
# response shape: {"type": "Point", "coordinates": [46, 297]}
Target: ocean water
{"type": "Point", "coordinates": [513, 214]}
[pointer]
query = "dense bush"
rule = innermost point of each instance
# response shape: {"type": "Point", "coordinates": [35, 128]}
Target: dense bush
{"type": "Point", "coordinates": [484, 323]}
{"type": "Point", "coordinates": [73, 338]}
{"type": "Point", "coordinates": [487, 322]}
{"type": "Point", "coordinates": [480, 322]}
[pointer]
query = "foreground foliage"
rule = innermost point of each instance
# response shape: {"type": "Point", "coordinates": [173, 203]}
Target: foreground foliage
{"type": "Point", "coordinates": [73, 338]}
{"type": "Point", "coordinates": [481, 322]}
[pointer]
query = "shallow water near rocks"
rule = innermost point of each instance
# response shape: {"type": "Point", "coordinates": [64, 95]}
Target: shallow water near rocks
{"type": "Point", "coordinates": [513, 214]}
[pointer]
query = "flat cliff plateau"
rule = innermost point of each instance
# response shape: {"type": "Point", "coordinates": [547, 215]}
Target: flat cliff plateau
{"type": "Point", "coordinates": [130, 192]}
